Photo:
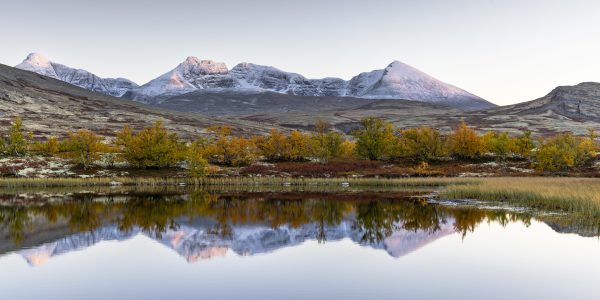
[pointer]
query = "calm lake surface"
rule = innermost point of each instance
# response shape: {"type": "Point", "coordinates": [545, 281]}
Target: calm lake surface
{"type": "Point", "coordinates": [117, 244]}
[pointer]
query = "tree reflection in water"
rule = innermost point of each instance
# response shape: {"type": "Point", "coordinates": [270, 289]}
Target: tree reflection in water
{"type": "Point", "coordinates": [374, 215]}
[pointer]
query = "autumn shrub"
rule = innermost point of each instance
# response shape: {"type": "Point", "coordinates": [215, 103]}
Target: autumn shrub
{"type": "Point", "coordinates": [17, 141]}
{"type": "Point", "coordinates": [465, 143]}
{"type": "Point", "coordinates": [522, 145]}
{"type": "Point", "coordinates": [325, 144]}
{"type": "Point", "coordinates": [564, 152]}
{"type": "Point", "coordinates": [423, 144]}
{"type": "Point", "coordinates": [280, 147]}
{"type": "Point", "coordinates": [152, 147]}
{"type": "Point", "coordinates": [375, 140]}
{"type": "Point", "coordinates": [197, 165]}
{"type": "Point", "coordinates": [231, 150]}
{"type": "Point", "coordinates": [50, 147]}
{"type": "Point", "coordinates": [497, 143]}
{"type": "Point", "coordinates": [83, 148]}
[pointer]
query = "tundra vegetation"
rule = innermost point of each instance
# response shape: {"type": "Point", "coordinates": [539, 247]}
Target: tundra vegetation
{"type": "Point", "coordinates": [377, 140]}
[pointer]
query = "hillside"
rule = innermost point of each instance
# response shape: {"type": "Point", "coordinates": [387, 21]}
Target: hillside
{"type": "Point", "coordinates": [53, 107]}
{"type": "Point", "coordinates": [396, 81]}
{"type": "Point", "coordinates": [566, 108]}
{"type": "Point", "coordinates": [248, 102]}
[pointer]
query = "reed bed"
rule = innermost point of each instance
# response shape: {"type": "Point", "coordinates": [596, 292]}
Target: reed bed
{"type": "Point", "coordinates": [578, 195]}
{"type": "Point", "coordinates": [229, 181]}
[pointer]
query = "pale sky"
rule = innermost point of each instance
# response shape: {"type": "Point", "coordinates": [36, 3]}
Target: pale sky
{"type": "Point", "coordinates": [505, 51]}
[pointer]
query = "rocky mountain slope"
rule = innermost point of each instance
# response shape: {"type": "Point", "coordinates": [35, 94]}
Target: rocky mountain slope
{"type": "Point", "coordinates": [54, 107]}
{"type": "Point", "coordinates": [37, 63]}
{"type": "Point", "coordinates": [249, 102]}
{"type": "Point", "coordinates": [51, 107]}
{"type": "Point", "coordinates": [566, 108]}
{"type": "Point", "coordinates": [396, 81]}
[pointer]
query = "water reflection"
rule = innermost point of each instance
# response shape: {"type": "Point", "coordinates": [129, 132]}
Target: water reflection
{"type": "Point", "coordinates": [201, 225]}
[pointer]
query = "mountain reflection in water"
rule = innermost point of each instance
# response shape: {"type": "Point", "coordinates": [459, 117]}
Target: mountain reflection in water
{"type": "Point", "coordinates": [201, 225]}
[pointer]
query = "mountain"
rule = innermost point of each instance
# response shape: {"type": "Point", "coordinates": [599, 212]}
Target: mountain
{"type": "Point", "coordinates": [50, 107]}
{"type": "Point", "coordinates": [190, 75]}
{"type": "Point", "coordinates": [250, 102]}
{"type": "Point", "coordinates": [579, 102]}
{"type": "Point", "coordinates": [397, 81]}
{"type": "Point", "coordinates": [401, 81]}
{"type": "Point", "coordinates": [402, 113]}
{"type": "Point", "coordinates": [566, 108]}
{"type": "Point", "coordinates": [196, 242]}
{"type": "Point", "coordinates": [37, 63]}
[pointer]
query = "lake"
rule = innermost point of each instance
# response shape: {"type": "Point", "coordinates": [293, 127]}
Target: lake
{"type": "Point", "coordinates": [196, 244]}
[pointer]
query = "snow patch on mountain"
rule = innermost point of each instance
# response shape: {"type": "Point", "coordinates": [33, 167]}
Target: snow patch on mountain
{"type": "Point", "coordinates": [37, 63]}
{"type": "Point", "coordinates": [190, 75]}
{"type": "Point", "coordinates": [396, 81]}
{"type": "Point", "coordinates": [400, 80]}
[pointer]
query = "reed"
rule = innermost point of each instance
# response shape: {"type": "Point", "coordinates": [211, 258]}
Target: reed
{"type": "Point", "coordinates": [579, 195]}
{"type": "Point", "coordinates": [228, 181]}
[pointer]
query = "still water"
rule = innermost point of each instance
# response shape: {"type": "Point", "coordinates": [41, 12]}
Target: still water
{"type": "Point", "coordinates": [286, 245]}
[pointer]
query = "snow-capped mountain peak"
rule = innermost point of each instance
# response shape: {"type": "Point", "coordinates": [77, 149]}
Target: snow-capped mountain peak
{"type": "Point", "coordinates": [397, 81]}
{"type": "Point", "coordinates": [401, 81]}
{"type": "Point", "coordinates": [38, 63]}
{"type": "Point", "coordinates": [190, 75]}
{"type": "Point", "coordinates": [398, 70]}
{"type": "Point", "coordinates": [194, 66]}
{"type": "Point", "coordinates": [37, 59]}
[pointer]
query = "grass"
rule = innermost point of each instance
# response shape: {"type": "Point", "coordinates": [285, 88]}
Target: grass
{"type": "Point", "coordinates": [228, 181]}
{"type": "Point", "coordinates": [577, 195]}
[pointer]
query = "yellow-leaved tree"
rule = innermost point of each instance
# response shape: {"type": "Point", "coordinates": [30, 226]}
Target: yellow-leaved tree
{"type": "Point", "coordinates": [299, 148]}
{"type": "Point", "coordinates": [197, 164]}
{"type": "Point", "coordinates": [522, 145]}
{"type": "Point", "coordinates": [464, 142]}
{"type": "Point", "coordinates": [376, 139]}
{"type": "Point", "coordinates": [83, 148]}
{"type": "Point", "coordinates": [497, 143]}
{"type": "Point", "coordinates": [423, 144]}
{"type": "Point", "coordinates": [326, 144]}
{"type": "Point", "coordinates": [280, 147]}
{"type": "Point", "coordinates": [50, 147]}
{"type": "Point", "coordinates": [564, 152]}
{"type": "Point", "coordinates": [275, 146]}
{"type": "Point", "coordinates": [17, 141]}
{"type": "Point", "coordinates": [231, 150]}
{"type": "Point", "coordinates": [152, 147]}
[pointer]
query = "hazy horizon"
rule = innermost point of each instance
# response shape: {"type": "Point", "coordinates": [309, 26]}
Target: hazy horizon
{"type": "Point", "coordinates": [502, 51]}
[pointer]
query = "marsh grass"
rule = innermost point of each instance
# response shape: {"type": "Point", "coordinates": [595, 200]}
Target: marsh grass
{"type": "Point", "coordinates": [577, 195]}
{"type": "Point", "coordinates": [229, 181]}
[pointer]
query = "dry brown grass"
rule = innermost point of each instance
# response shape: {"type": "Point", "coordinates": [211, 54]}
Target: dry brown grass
{"type": "Point", "coordinates": [581, 195]}
{"type": "Point", "coordinates": [229, 181]}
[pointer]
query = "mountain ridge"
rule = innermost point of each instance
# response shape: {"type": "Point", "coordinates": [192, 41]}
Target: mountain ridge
{"type": "Point", "coordinates": [38, 63]}
{"type": "Point", "coordinates": [396, 81]}
{"type": "Point", "coordinates": [51, 107]}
